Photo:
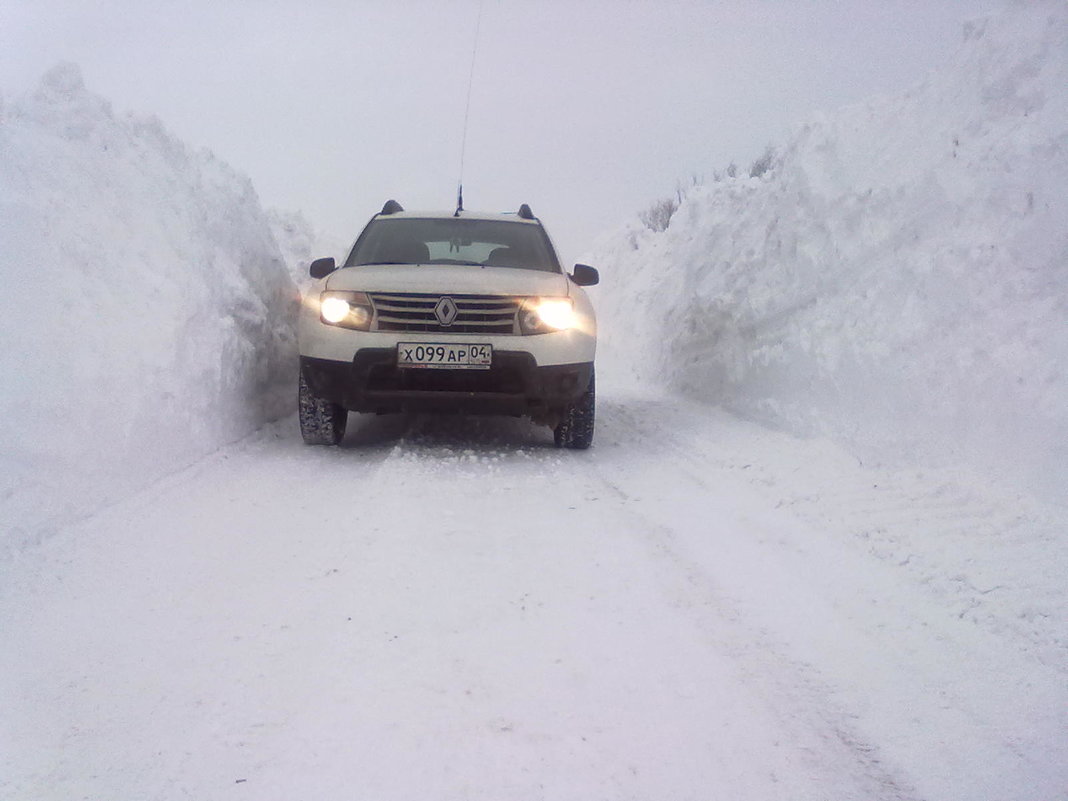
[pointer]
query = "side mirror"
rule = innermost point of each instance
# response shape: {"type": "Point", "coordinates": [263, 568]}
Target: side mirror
{"type": "Point", "coordinates": [585, 275]}
{"type": "Point", "coordinates": [321, 268]}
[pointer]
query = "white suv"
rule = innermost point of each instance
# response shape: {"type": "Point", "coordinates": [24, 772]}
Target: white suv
{"type": "Point", "coordinates": [448, 311]}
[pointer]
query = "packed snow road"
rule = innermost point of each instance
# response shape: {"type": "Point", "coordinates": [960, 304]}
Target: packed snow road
{"type": "Point", "coordinates": [452, 609]}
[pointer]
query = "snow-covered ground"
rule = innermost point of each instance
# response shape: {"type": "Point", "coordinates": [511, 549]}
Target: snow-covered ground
{"type": "Point", "coordinates": [697, 608]}
{"type": "Point", "coordinates": [860, 604]}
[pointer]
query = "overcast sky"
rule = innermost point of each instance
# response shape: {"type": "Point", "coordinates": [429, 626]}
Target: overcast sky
{"type": "Point", "coordinates": [589, 111]}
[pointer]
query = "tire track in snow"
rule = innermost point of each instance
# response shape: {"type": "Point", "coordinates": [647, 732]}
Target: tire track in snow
{"type": "Point", "coordinates": [975, 679]}
{"type": "Point", "coordinates": [430, 450]}
{"type": "Point", "coordinates": [803, 699]}
{"type": "Point", "coordinates": [502, 619]}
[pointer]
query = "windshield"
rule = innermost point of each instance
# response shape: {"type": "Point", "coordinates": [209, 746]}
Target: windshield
{"type": "Point", "coordinates": [488, 243]}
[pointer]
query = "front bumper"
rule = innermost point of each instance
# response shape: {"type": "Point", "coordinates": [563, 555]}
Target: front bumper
{"type": "Point", "coordinates": [514, 385]}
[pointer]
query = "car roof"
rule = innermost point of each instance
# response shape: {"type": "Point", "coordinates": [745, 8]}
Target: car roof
{"type": "Point", "coordinates": [509, 216]}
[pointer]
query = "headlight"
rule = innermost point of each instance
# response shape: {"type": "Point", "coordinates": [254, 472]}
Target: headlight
{"type": "Point", "coordinates": [542, 315]}
{"type": "Point", "coordinates": [558, 313]}
{"type": "Point", "coordinates": [346, 309]}
{"type": "Point", "coordinates": [334, 310]}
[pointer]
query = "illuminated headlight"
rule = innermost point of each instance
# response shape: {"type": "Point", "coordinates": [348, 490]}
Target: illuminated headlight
{"type": "Point", "coordinates": [542, 315]}
{"type": "Point", "coordinates": [334, 310]}
{"type": "Point", "coordinates": [558, 313]}
{"type": "Point", "coordinates": [346, 309]}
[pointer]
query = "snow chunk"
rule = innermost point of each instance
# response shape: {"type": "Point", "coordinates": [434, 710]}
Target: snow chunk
{"type": "Point", "coordinates": [62, 83]}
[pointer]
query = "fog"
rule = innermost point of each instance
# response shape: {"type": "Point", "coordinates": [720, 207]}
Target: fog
{"type": "Point", "coordinates": [587, 111]}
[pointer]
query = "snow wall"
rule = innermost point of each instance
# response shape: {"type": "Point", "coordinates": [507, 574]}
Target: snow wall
{"type": "Point", "coordinates": [302, 243]}
{"type": "Point", "coordinates": [146, 315]}
{"type": "Point", "coordinates": [897, 282]}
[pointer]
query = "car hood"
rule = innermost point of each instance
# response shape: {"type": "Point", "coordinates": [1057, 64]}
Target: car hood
{"type": "Point", "coordinates": [448, 279]}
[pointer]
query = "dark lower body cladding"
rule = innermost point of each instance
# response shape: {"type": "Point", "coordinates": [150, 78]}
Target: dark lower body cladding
{"type": "Point", "coordinates": [514, 385]}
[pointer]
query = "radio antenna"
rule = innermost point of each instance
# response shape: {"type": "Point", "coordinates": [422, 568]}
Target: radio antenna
{"type": "Point", "coordinates": [467, 110]}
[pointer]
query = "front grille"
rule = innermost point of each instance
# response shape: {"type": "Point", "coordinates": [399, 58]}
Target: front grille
{"type": "Point", "coordinates": [476, 314]}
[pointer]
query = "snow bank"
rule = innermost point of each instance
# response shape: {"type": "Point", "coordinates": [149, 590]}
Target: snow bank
{"type": "Point", "coordinates": [146, 316]}
{"type": "Point", "coordinates": [301, 243]}
{"type": "Point", "coordinates": [896, 282]}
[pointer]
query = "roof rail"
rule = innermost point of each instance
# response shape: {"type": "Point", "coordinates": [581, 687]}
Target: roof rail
{"type": "Point", "coordinates": [392, 207]}
{"type": "Point", "coordinates": [525, 212]}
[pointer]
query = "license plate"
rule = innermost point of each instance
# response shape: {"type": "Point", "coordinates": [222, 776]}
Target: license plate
{"type": "Point", "coordinates": [444, 356]}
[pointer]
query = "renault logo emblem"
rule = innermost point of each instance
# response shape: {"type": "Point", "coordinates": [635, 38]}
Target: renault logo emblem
{"type": "Point", "coordinates": [446, 311]}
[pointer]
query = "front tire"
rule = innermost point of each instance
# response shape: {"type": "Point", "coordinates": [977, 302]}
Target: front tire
{"type": "Point", "coordinates": [576, 429]}
{"type": "Point", "coordinates": [321, 422]}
